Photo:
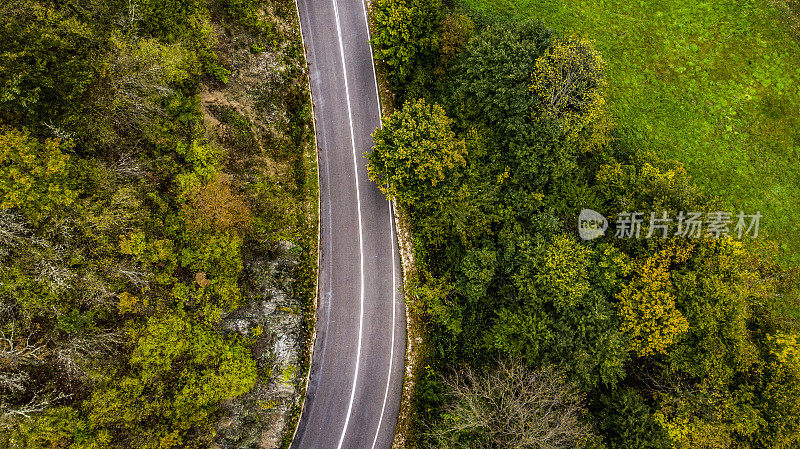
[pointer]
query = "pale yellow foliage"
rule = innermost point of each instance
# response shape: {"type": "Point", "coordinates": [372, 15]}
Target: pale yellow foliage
{"type": "Point", "coordinates": [569, 79]}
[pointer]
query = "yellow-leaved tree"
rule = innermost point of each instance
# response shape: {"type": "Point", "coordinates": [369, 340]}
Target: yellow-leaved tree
{"type": "Point", "coordinates": [647, 312]}
{"type": "Point", "coordinates": [33, 175]}
{"type": "Point", "coordinates": [569, 80]}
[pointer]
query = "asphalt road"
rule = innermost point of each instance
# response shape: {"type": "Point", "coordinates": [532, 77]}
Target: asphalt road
{"type": "Point", "coordinates": [355, 383]}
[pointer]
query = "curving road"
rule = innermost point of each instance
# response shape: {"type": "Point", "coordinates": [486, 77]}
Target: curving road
{"type": "Point", "coordinates": [355, 383]}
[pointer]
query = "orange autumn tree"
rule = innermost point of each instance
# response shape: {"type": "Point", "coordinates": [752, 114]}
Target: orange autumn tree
{"type": "Point", "coordinates": [216, 207]}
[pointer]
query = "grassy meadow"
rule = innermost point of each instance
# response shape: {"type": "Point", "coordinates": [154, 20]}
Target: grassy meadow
{"type": "Point", "coordinates": [715, 85]}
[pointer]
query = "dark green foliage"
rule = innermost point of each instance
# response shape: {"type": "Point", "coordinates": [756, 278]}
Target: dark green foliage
{"type": "Point", "coordinates": [405, 40]}
{"type": "Point", "coordinates": [679, 343]}
{"type": "Point", "coordinates": [252, 16]}
{"type": "Point", "coordinates": [491, 81]}
{"type": "Point", "coordinates": [626, 421]}
{"type": "Point", "coordinates": [542, 159]}
{"type": "Point", "coordinates": [242, 11]}
{"type": "Point", "coordinates": [430, 393]}
{"type": "Point", "coordinates": [559, 317]}
{"type": "Point", "coordinates": [51, 64]}
{"type": "Point", "coordinates": [167, 19]}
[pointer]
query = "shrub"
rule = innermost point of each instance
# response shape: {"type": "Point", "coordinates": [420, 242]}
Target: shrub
{"type": "Point", "coordinates": [405, 36]}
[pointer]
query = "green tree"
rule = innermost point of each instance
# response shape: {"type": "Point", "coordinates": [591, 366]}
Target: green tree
{"type": "Point", "coordinates": [706, 385]}
{"type": "Point", "coordinates": [562, 317]}
{"type": "Point", "coordinates": [180, 373]}
{"type": "Point", "coordinates": [491, 81]}
{"type": "Point", "coordinates": [715, 290]}
{"type": "Point", "coordinates": [626, 421]}
{"type": "Point", "coordinates": [647, 185]}
{"type": "Point", "coordinates": [54, 428]}
{"type": "Point", "coordinates": [168, 19]}
{"type": "Point", "coordinates": [219, 256]}
{"type": "Point", "coordinates": [455, 32]}
{"type": "Point", "coordinates": [417, 157]}
{"type": "Point", "coordinates": [699, 416]}
{"type": "Point", "coordinates": [50, 66]}
{"type": "Point", "coordinates": [780, 392]}
{"type": "Point", "coordinates": [541, 160]}
{"type": "Point", "coordinates": [405, 36]}
{"type": "Point", "coordinates": [34, 176]}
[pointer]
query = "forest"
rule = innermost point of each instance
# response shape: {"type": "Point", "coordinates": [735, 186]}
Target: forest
{"type": "Point", "coordinates": [502, 130]}
{"type": "Point", "coordinates": [130, 227]}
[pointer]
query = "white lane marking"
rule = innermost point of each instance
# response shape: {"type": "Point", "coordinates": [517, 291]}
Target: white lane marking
{"type": "Point", "coordinates": [374, 75]}
{"type": "Point", "coordinates": [391, 238]}
{"type": "Point", "coordinates": [360, 228]}
{"type": "Point", "coordinates": [391, 235]}
{"type": "Point", "coordinates": [394, 311]}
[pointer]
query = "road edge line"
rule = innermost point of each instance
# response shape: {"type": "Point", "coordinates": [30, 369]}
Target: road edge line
{"type": "Point", "coordinates": [315, 304]}
{"type": "Point", "coordinates": [407, 272]}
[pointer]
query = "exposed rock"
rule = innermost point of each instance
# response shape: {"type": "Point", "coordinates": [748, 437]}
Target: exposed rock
{"type": "Point", "coordinates": [247, 117]}
{"type": "Point", "coordinates": [258, 419]}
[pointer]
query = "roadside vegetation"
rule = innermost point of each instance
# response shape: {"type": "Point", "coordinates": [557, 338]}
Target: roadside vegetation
{"type": "Point", "coordinates": [504, 129]}
{"type": "Point", "coordinates": [129, 226]}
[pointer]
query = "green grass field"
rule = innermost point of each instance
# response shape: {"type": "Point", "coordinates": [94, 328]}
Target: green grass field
{"type": "Point", "coordinates": [715, 85]}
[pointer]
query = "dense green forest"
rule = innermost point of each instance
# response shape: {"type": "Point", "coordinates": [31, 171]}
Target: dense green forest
{"type": "Point", "coordinates": [127, 227]}
{"type": "Point", "coordinates": [502, 132]}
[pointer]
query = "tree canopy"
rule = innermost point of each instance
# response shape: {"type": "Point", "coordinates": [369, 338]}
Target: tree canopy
{"type": "Point", "coordinates": [416, 158]}
{"type": "Point", "coordinates": [676, 342]}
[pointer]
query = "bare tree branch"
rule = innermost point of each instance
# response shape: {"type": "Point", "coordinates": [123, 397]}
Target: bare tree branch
{"type": "Point", "coordinates": [36, 405]}
{"type": "Point", "coordinates": [15, 350]}
{"type": "Point", "coordinates": [512, 407]}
